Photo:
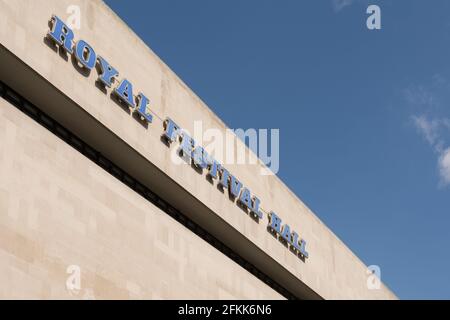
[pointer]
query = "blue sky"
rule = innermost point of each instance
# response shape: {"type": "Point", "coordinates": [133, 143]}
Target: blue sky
{"type": "Point", "coordinates": [364, 116]}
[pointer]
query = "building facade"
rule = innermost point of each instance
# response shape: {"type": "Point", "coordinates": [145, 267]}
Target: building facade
{"type": "Point", "coordinates": [92, 204]}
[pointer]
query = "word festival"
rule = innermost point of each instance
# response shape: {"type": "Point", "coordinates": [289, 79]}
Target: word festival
{"type": "Point", "coordinates": [61, 35]}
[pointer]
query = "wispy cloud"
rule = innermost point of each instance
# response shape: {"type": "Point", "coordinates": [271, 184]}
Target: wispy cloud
{"type": "Point", "coordinates": [433, 131]}
{"type": "Point", "coordinates": [432, 128]}
{"type": "Point", "coordinates": [338, 5]}
{"type": "Point", "coordinates": [420, 96]}
{"type": "Point", "coordinates": [444, 166]}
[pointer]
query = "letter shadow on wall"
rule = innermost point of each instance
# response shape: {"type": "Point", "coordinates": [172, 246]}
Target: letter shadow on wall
{"type": "Point", "coordinates": [119, 102]}
{"type": "Point", "coordinates": [247, 211]}
{"type": "Point", "coordinates": [85, 72]}
{"type": "Point", "coordinates": [62, 53]}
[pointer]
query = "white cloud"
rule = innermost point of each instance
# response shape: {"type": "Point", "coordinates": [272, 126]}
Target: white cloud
{"type": "Point", "coordinates": [427, 101]}
{"type": "Point", "coordinates": [428, 128]}
{"type": "Point", "coordinates": [420, 96]}
{"type": "Point", "coordinates": [431, 131]}
{"type": "Point", "coordinates": [338, 5]}
{"type": "Point", "coordinates": [444, 166]}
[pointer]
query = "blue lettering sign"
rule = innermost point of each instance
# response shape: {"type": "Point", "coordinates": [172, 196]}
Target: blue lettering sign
{"type": "Point", "coordinates": [85, 54]}
{"type": "Point", "coordinates": [61, 34]}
